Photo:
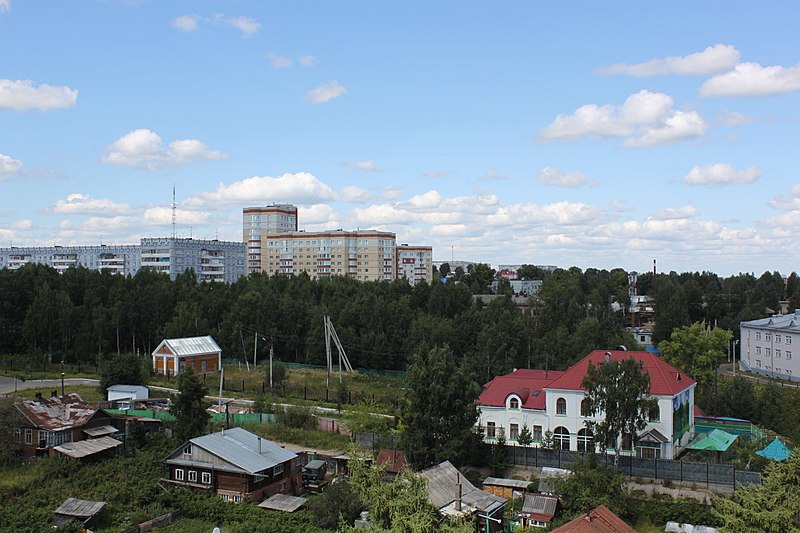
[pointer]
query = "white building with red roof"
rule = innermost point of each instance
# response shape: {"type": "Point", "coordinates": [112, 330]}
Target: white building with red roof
{"type": "Point", "coordinates": [553, 401]}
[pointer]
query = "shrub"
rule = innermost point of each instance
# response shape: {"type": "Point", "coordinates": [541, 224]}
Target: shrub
{"type": "Point", "coordinates": [298, 417]}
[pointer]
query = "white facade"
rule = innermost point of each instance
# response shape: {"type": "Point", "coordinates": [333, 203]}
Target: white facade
{"type": "Point", "coordinates": [770, 346]}
{"type": "Point", "coordinates": [117, 259]}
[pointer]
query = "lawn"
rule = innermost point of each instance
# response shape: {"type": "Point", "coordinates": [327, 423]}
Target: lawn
{"type": "Point", "coordinates": [89, 393]}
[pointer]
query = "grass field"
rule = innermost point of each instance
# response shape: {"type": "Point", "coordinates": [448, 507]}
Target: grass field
{"type": "Point", "coordinates": [87, 392]}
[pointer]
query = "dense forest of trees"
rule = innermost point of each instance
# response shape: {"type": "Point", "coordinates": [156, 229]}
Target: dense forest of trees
{"type": "Point", "coordinates": [84, 315]}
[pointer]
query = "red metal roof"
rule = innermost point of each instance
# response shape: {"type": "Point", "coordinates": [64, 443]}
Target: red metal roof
{"type": "Point", "coordinates": [394, 461]}
{"type": "Point", "coordinates": [57, 413]}
{"type": "Point", "coordinates": [598, 520]}
{"type": "Point", "coordinates": [665, 379]}
{"type": "Point", "coordinates": [527, 384]}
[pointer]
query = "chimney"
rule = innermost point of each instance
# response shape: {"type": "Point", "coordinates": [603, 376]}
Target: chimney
{"type": "Point", "coordinates": [259, 445]}
{"type": "Point", "coordinates": [678, 376]}
{"type": "Point", "coordinates": [607, 357]}
{"type": "Point", "coordinates": [458, 492]}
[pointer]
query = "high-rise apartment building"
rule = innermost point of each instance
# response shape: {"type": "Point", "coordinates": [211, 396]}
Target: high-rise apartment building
{"type": "Point", "coordinates": [415, 263]}
{"type": "Point", "coordinates": [276, 246]}
{"type": "Point", "coordinates": [259, 222]}
{"type": "Point", "coordinates": [365, 255]}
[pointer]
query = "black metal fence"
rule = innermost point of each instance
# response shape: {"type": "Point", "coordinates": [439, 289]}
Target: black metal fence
{"type": "Point", "coordinates": [682, 471]}
{"type": "Point", "coordinates": [375, 441]}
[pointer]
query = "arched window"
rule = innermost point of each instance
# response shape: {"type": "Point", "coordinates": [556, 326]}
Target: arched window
{"type": "Point", "coordinates": [513, 404]}
{"type": "Point", "coordinates": [585, 407]}
{"type": "Point", "coordinates": [561, 438]}
{"type": "Point", "coordinates": [561, 406]}
{"type": "Point", "coordinates": [585, 440]}
{"type": "Point", "coordinates": [655, 414]}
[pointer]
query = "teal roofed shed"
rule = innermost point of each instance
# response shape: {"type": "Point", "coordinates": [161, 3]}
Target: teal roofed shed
{"type": "Point", "coordinates": [776, 450]}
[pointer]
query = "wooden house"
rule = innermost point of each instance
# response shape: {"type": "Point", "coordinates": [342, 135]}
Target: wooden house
{"type": "Point", "coordinates": [174, 355]}
{"type": "Point", "coordinates": [236, 465]}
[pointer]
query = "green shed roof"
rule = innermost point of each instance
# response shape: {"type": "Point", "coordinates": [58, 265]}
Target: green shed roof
{"type": "Point", "coordinates": [717, 440]}
{"type": "Point", "coordinates": [775, 450]}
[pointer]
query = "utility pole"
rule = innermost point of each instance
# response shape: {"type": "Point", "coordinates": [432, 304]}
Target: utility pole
{"type": "Point", "coordinates": [271, 354]}
{"type": "Point", "coordinates": [255, 350]}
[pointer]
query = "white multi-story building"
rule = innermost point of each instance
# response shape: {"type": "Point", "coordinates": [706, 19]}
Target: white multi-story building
{"type": "Point", "coordinates": [415, 263]}
{"type": "Point", "coordinates": [770, 346]}
{"type": "Point", "coordinates": [124, 259]}
{"type": "Point", "coordinates": [554, 401]}
{"type": "Point", "coordinates": [211, 260]}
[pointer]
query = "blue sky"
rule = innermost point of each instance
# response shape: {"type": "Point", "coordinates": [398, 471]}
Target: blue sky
{"type": "Point", "coordinates": [595, 134]}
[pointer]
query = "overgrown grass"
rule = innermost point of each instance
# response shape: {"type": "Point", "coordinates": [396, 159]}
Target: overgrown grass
{"type": "Point", "coordinates": [312, 438]}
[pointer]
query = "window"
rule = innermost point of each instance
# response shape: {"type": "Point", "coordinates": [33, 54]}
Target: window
{"type": "Point", "coordinates": [788, 339]}
{"type": "Point", "coordinates": [17, 434]}
{"type": "Point", "coordinates": [193, 475]}
{"type": "Point", "coordinates": [513, 432]}
{"type": "Point", "coordinates": [777, 338]}
{"type": "Point", "coordinates": [561, 438]}
{"type": "Point", "coordinates": [206, 478]}
{"type": "Point", "coordinates": [758, 350]}
{"type": "Point", "coordinates": [627, 442]}
{"type": "Point", "coordinates": [655, 414]}
{"type": "Point", "coordinates": [768, 352]}
{"type": "Point", "coordinates": [236, 498]}
{"type": "Point", "coordinates": [777, 353]}
{"type": "Point", "coordinates": [224, 497]}
{"type": "Point", "coordinates": [179, 474]}
{"type": "Point", "coordinates": [585, 440]}
{"type": "Point", "coordinates": [278, 469]}
{"type": "Point", "coordinates": [513, 404]}
{"type": "Point", "coordinates": [28, 436]}
{"type": "Point", "coordinates": [585, 407]}
{"type": "Point", "coordinates": [537, 433]}
{"type": "Point", "coordinates": [758, 335]}
{"type": "Point", "coordinates": [768, 337]}
{"type": "Point", "coordinates": [490, 429]}
{"type": "Point", "coordinates": [561, 407]}
{"type": "Point", "coordinates": [788, 354]}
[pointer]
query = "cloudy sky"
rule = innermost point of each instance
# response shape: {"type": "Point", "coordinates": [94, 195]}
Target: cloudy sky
{"type": "Point", "coordinates": [595, 134]}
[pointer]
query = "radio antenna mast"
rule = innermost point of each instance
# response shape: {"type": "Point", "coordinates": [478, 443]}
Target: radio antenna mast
{"type": "Point", "coordinates": [174, 212]}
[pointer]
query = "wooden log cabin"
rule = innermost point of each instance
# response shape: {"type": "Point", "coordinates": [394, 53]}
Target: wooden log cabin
{"type": "Point", "coordinates": [172, 356]}
{"type": "Point", "coordinates": [236, 465]}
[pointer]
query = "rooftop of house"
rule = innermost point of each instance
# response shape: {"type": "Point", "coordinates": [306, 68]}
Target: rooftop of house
{"type": "Point", "coordinates": [57, 413]}
{"type": "Point", "coordinates": [598, 520]}
{"type": "Point", "coordinates": [242, 449]}
{"type": "Point", "coordinates": [189, 346]}
{"type": "Point", "coordinates": [527, 384]}
{"type": "Point", "coordinates": [443, 481]}
{"type": "Point", "coordinates": [790, 322]}
{"type": "Point", "coordinates": [393, 461]}
{"type": "Point", "coordinates": [530, 385]}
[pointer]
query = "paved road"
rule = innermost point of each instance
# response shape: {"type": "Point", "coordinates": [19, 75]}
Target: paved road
{"type": "Point", "coordinates": [7, 384]}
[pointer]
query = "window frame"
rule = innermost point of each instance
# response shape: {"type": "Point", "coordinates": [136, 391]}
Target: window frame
{"type": "Point", "coordinates": [179, 474]}
{"type": "Point", "coordinates": [205, 478]}
{"type": "Point", "coordinates": [559, 402]}
{"type": "Point", "coordinates": [192, 476]}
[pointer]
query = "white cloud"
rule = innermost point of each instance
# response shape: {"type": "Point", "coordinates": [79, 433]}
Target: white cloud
{"type": "Point", "coordinates": [316, 214]}
{"type": "Point", "coordinates": [162, 216]}
{"type": "Point", "coordinates": [325, 92]}
{"type": "Point", "coordinates": [301, 187]}
{"type": "Point", "coordinates": [21, 95]}
{"type": "Point", "coordinates": [789, 201]}
{"type": "Point", "coordinates": [717, 58]}
{"type": "Point", "coordinates": [493, 175]}
{"type": "Point", "coordinates": [5, 5]}
{"type": "Point", "coordinates": [646, 118]}
{"type": "Point", "coordinates": [246, 25]}
{"type": "Point", "coordinates": [681, 125]}
{"type": "Point", "coordinates": [720, 174]}
{"type": "Point", "coordinates": [79, 204]}
{"type": "Point", "coordinates": [142, 148]}
{"type": "Point", "coordinates": [675, 213]}
{"type": "Point", "coordinates": [554, 176]}
{"type": "Point", "coordinates": [390, 192]}
{"type": "Point", "coordinates": [279, 61]}
{"type": "Point", "coordinates": [751, 79]}
{"type": "Point", "coordinates": [185, 22]}
{"type": "Point", "coordinates": [430, 199]}
{"type": "Point", "coordinates": [735, 118]}
{"type": "Point", "coordinates": [355, 194]}
{"type": "Point", "coordinates": [436, 174]}
{"type": "Point", "coordinates": [8, 166]}
{"type": "Point", "coordinates": [307, 61]}
{"type": "Point", "coordinates": [368, 165]}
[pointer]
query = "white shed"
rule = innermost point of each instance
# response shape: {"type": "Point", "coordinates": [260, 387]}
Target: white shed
{"type": "Point", "coordinates": [127, 392]}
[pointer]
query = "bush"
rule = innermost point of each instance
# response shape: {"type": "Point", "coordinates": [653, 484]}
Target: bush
{"type": "Point", "coordinates": [337, 503]}
{"type": "Point", "coordinates": [297, 417]}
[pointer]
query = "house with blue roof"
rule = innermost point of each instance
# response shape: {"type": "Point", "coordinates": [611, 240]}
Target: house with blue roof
{"type": "Point", "coordinates": [236, 465]}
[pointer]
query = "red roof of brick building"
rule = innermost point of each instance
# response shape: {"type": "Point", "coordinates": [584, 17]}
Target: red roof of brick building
{"type": "Point", "coordinates": [598, 520]}
{"type": "Point", "coordinates": [665, 379]}
{"type": "Point", "coordinates": [528, 385]}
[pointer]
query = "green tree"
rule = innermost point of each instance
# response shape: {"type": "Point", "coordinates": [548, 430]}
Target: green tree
{"type": "Point", "coordinates": [439, 420]}
{"type": "Point", "coordinates": [619, 391]}
{"type": "Point", "coordinates": [772, 506]}
{"type": "Point", "coordinates": [525, 437]}
{"type": "Point", "coordinates": [339, 503]}
{"type": "Point", "coordinates": [190, 405]}
{"type": "Point", "coordinates": [126, 369]}
{"type": "Point", "coordinates": [10, 419]}
{"type": "Point", "coordinates": [591, 484]}
{"type": "Point", "coordinates": [697, 350]}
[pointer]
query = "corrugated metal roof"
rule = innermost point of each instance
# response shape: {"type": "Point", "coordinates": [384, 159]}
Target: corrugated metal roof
{"type": "Point", "coordinates": [100, 431]}
{"type": "Point", "coordinates": [283, 502]}
{"type": "Point", "coordinates": [84, 448]}
{"type": "Point", "coordinates": [80, 508]}
{"type": "Point", "coordinates": [128, 388]}
{"type": "Point", "coordinates": [191, 346]}
{"type": "Point", "coordinates": [505, 482]}
{"type": "Point", "coordinates": [442, 489]}
{"type": "Point", "coordinates": [789, 322]}
{"type": "Point", "coordinates": [540, 504]}
{"type": "Point", "coordinates": [240, 447]}
{"type": "Point", "coordinates": [57, 413]}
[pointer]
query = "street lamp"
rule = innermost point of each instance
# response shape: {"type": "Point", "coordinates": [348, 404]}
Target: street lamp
{"type": "Point", "coordinates": [733, 353]}
{"type": "Point", "coordinates": [62, 384]}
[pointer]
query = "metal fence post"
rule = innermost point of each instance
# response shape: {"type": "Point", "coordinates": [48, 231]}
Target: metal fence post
{"type": "Point", "coordinates": [706, 474]}
{"type": "Point", "coordinates": [536, 457]}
